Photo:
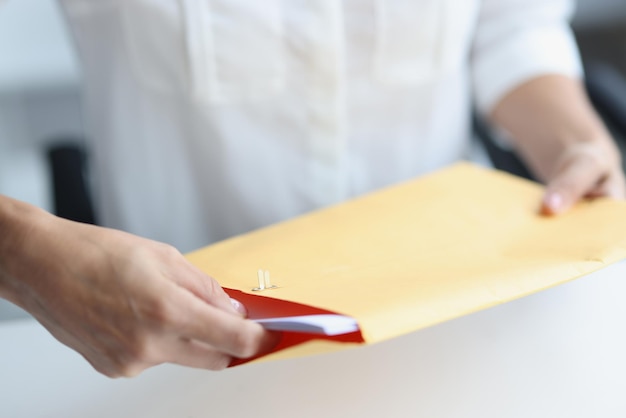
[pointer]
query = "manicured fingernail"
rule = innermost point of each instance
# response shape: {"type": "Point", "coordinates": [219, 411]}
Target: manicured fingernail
{"type": "Point", "coordinates": [239, 307]}
{"type": "Point", "coordinates": [554, 202]}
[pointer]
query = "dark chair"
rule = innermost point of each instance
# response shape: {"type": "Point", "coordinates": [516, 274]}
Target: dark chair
{"type": "Point", "coordinates": [71, 193]}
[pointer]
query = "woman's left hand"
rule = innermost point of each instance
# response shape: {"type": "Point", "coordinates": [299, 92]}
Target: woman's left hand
{"type": "Point", "coordinates": [583, 170]}
{"type": "Point", "coordinates": [564, 142]}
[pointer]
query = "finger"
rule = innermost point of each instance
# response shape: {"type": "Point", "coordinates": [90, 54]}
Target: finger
{"type": "Point", "coordinates": [614, 187]}
{"type": "Point", "coordinates": [209, 290]}
{"type": "Point", "coordinates": [105, 361]}
{"type": "Point", "coordinates": [223, 331]}
{"type": "Point", "coordinates": [195, 354]}
{"type": "Point", "coordinates": [573, 181]}
{"type": "Point", "coordinates": [204, 287]}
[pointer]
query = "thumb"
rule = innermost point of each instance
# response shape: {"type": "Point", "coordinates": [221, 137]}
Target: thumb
{"type": "Point", "coordinates": [575, 178]}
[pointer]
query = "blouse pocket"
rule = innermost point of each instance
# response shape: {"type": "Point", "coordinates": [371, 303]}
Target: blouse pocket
{"type": "Point", "coordinates": [420, 40]}
{"type": "Point", "coordinates": [215, 50]}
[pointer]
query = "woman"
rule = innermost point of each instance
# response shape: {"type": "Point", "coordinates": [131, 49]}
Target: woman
{"type": "Point", "coordinates": [209, 119]}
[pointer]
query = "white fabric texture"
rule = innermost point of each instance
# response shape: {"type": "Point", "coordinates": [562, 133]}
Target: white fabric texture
{"type": "Point", "coordinates": [209, 118]}
{"type": "Point", "coordinates": [517, 40]}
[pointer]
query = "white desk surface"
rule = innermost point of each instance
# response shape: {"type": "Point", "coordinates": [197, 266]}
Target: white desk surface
{"type": "Point", "coordinates": [559, 353]}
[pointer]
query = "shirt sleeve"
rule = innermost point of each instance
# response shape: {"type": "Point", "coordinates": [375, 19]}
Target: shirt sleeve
{"type": "Point", "coordinates": [517, 40]}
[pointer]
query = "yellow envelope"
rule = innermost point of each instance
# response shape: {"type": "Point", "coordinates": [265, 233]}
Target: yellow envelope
{"type": "Point", "coordinates": [422, 252]}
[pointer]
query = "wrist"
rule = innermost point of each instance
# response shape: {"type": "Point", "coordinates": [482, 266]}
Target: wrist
{"type": "Point", "coordinates": [550, 117]}
{"type": "Point", "coordinates": [18, 221]}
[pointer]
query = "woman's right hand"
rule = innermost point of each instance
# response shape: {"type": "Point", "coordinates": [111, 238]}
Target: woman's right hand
{"type": "Point", "coordinates": [124, 302]}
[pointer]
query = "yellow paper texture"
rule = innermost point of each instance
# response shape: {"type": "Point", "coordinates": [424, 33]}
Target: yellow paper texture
{"type": "Point", "coordinates": [422, 252]}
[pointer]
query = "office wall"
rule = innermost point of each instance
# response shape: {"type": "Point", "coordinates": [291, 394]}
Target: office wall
{"type": "Point", "coordinates": [39, 94]}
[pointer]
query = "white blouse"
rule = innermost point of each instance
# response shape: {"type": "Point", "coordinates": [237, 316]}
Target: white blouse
{"type": "Point", "coordinates": [209, 118]}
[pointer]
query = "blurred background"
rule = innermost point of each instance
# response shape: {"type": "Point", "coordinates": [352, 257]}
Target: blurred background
{"type": "Point", "coordinates": [40, 94]}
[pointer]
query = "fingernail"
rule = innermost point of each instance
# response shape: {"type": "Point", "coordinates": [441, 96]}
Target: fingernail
{"type": "Point", "coordinates": [239, 307]}
{"type": "Point", "coordinates": [554, 202]}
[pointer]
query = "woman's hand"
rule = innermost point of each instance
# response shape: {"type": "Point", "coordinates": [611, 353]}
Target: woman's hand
{"type": "Point", "coordinates": [583, 170]}
{"type": "Point", "coordinates": [125, 303]}
{"type": "Point", "coordinates": [562, 139]}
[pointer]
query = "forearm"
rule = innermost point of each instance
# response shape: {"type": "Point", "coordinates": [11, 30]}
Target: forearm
{"type": "Point", "coordinates": [546, 115]}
